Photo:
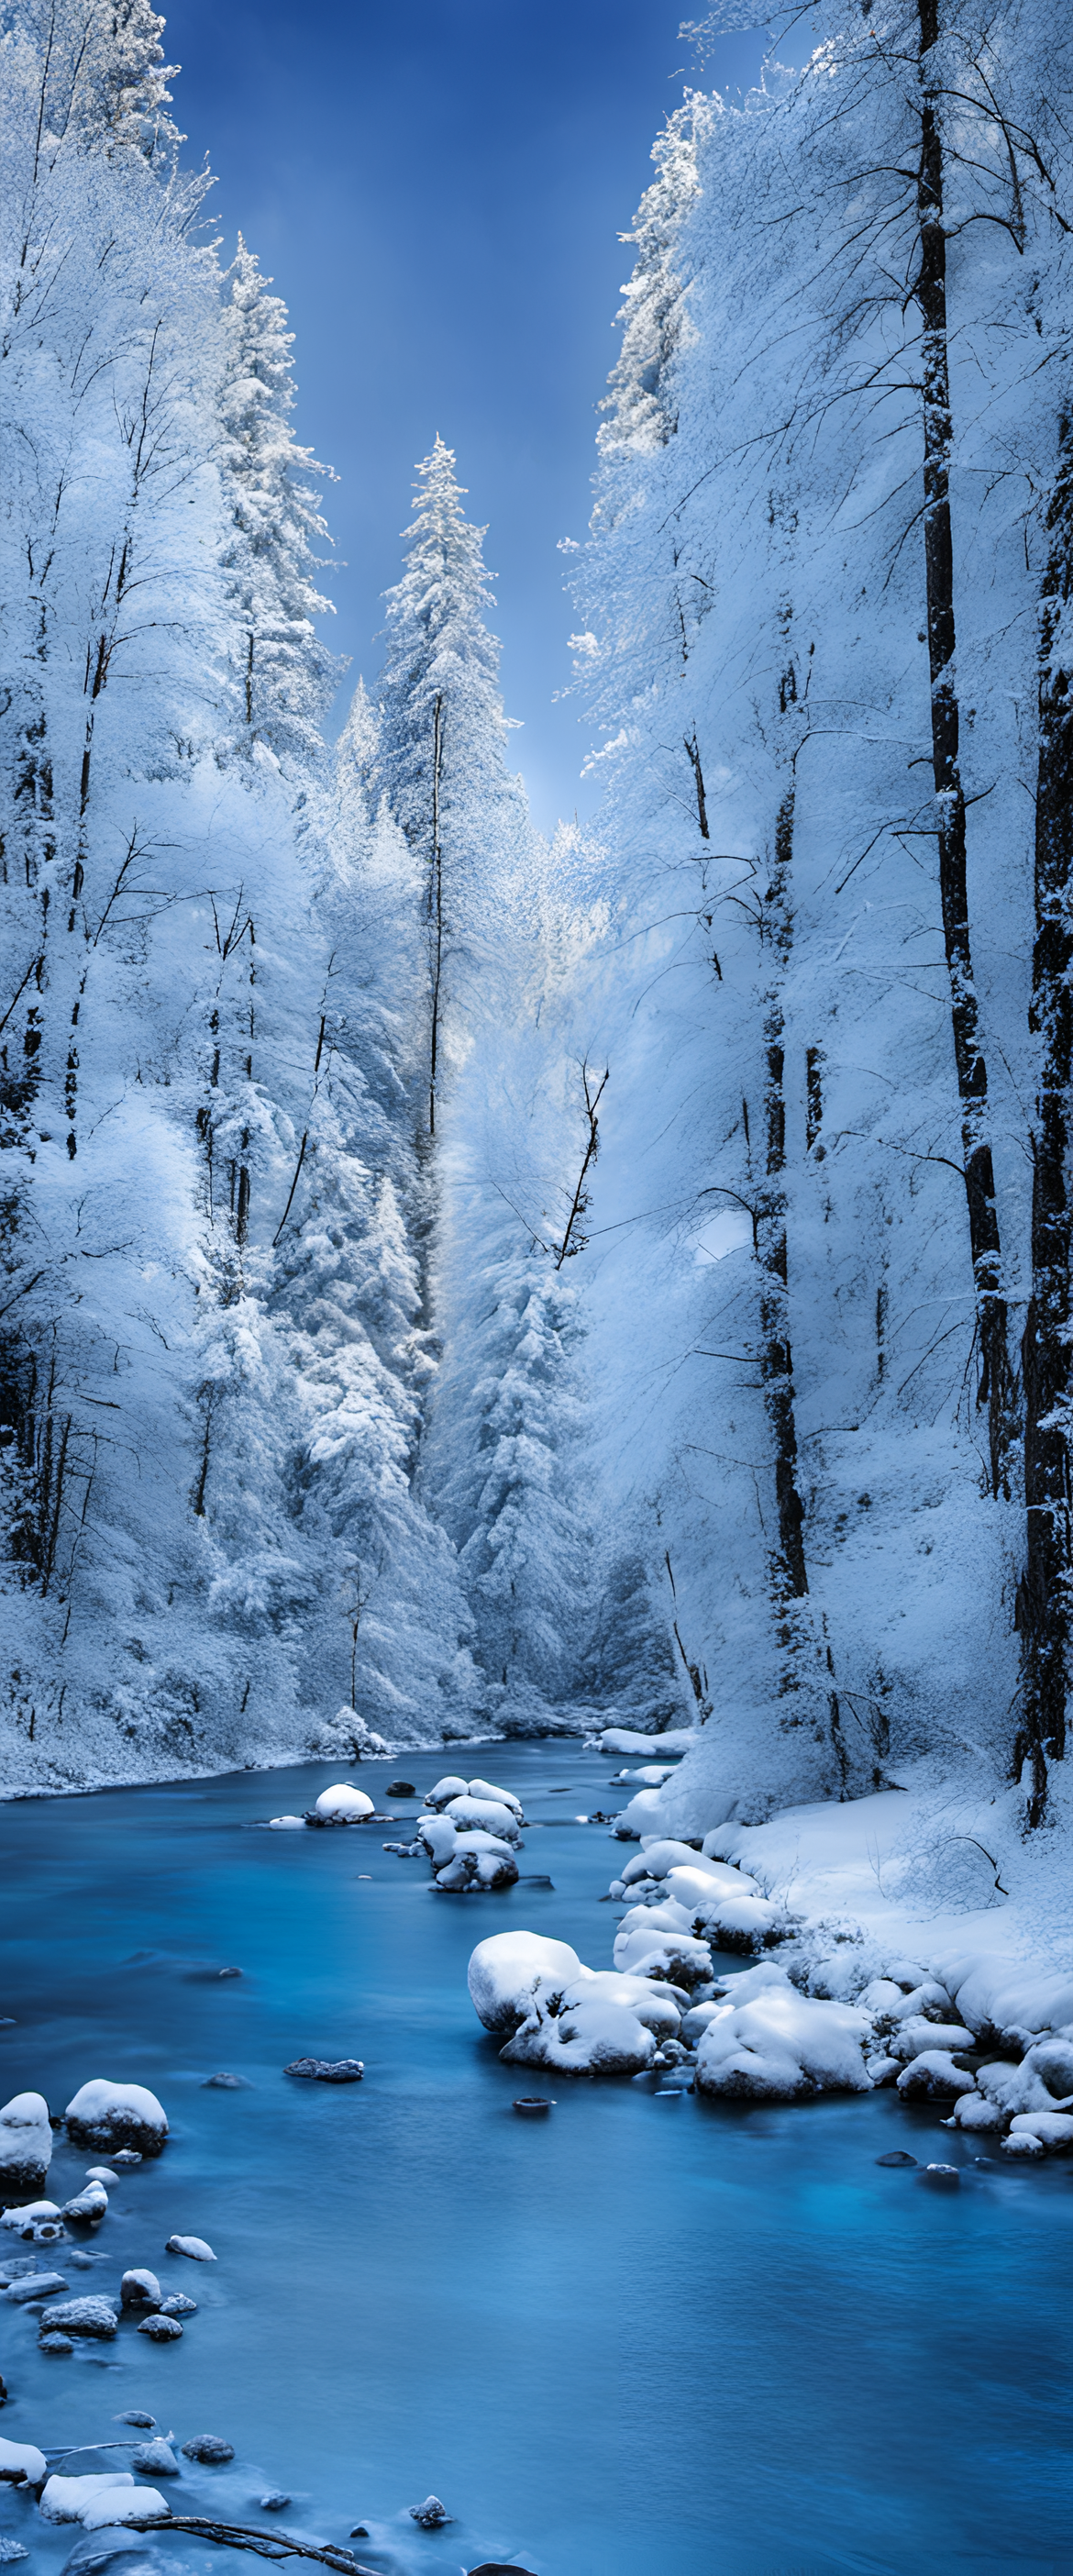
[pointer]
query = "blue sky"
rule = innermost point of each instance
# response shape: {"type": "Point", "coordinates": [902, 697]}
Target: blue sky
{"type": "Point", "coordinates": [438, 190]}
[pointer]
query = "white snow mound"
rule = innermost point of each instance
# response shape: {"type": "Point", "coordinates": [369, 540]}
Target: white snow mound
{"type": "Point", "coordinates": [23, 2460]}
{"type": "Point", "coordinates": [25, 2139]}
{"type": "Point", "coordinates": [116, 2115]}
{"type": "Point", "coordinates": [505, 1969]}
{"type": "Point", "coordinates": [783, 2046]}
{"type": "Point", "coordinates": [343, 1804]}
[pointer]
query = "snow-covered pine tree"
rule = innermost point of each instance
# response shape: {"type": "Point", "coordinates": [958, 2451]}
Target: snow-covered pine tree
{"type": "Point", "coordinates": [443, 738]}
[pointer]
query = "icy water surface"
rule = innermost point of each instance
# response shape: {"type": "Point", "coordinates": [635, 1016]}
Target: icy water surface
{"type": "Point", "coordinates": [644, 2337]}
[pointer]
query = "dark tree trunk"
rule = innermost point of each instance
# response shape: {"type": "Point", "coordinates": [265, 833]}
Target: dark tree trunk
{"type": "Point", "coordinates": [1043, 1597]}
{"type": "Point", "coordinates": [776, 1357]}
{"type": "Point", "coordinates": [436, 909]}
{"type": "Point", "coordinates": [998, 1387]}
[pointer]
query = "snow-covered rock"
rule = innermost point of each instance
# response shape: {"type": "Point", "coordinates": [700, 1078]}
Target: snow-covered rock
{"type": "Point", "coordinates": [343, 1805]}
{"type": "Point", "coordinates": [90, 2204]}
{"type": "Point", "coordinates": [782, 2046]}
{"type": "Point", "coordinates": [67, 2499]}
{"type": "Point", "coordinates": [626, 1739]}
{"type": "Point", "coordinates": [641, 1816]}
{"type": "Point", "coordinates": [483, 1815]}
{"type": "Point", "coordinates": [909, 2038]}
{"type": "Point", "coordinates": [29, 2216]}
{"type": "Point", "coordinates": [930, 2075]}
{"type": "Point", "coordinates": [439, 1837]}
{"type": "Point", "coordinates": [35, 2285]}
{"type": "Point", "coordinates": [975, 2111]}
{"type": "Point", "coordinates": [155, 2459]}
{"type": "Point", "coordinates": [139, 2289]}
{"type": "Point", "coordinates": [676, 1956]}
{"type": "Point", "coordinates": [108, 2115]}
{"type": "Point", "coordinates": [25, 2143]}
{"type": "Point", "coordinates": [505, 1970]}
{"type": "Point", "coordinates": [584, 2037]}
{"type": "Point", "coordinates": [161, 2328]}
{"type": "Point", "coordinates": [479, 1860]}
{"type": "Point", "coordinates": [286, 1824]}
{"type": "Point", "coordinates": [22, 2460]}
{"type": "Point", "coordinates": [89, 2316]}
{"type": "Point", "coordinates": [1054, 2129]}
{"type": "Point", "coordinates": [447, 1788]}
{"type": "Point", "coordinates": [499, 1797]}
{"type": "Point", "coordinates": [194, 2247]}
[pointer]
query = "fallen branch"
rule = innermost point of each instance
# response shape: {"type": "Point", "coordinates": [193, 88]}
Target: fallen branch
{"type": "Point", "coordinates": [265, 2544]}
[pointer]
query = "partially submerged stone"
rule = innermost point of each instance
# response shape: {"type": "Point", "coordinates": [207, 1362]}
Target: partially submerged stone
{"type": "Point", "coordinates": [109, 2115]}
{"type": "Point", "coordinates": [25, 2143]}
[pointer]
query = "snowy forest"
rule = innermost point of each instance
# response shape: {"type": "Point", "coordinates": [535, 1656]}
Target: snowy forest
{"type": "Point", "coordinates": [458, 1285]}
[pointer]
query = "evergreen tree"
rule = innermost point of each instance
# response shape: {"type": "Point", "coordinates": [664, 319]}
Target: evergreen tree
{"type": "Point", "coordinates": [443, 736]}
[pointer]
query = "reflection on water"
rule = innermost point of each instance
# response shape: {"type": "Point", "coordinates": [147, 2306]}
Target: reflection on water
{"type": "Point", "coordinates": [643, 2337]}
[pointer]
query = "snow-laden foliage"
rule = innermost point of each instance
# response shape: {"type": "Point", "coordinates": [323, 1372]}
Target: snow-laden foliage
{"type": "Point", "coordinates": [834, 990]}
{"type": "Point", "coordinates": [214, 1331]}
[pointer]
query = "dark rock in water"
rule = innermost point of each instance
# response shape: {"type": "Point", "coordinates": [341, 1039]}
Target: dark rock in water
{"type": "Point", "coordinates": [3, 2392]}
{"type": "Point", "coordinates": [226, 2084]}
{"type": "Point", "coordinates": [942, 2177]}
{"type": "Point", "coordinates": [533, 2105]}
{"type": "Point", "coordinates": [229, 1972]}
{"type": "Point", "coordinates": [94, 2317]}
{"type": "Point", "coordinates": [155, 2459]}
{"type": "Point", "coordinates": [210, 2449]}
{"type": "Point", "coordinates": [36, 2285]}
{"type": "Point", "coordinates": [128, 2156]}
{"type": "Point", "coordinates": [56, 2343]}
{"type": "Point", "coordinates": [136, 2415]}
{"type": "Point", "coordinates": [430, 2515]}
{"type": "Point", "coordinates": [326, 2070]}
{"type": "Point", "coordinates": [897, 2156]}
{"type": "Point", "coordinates": [360, 2531]}
{"type": "Point", "coordinates": [178, 2305]}
{"type": "Point", "coordinates": [161, 2329]}
{"type": "Point", "coordinates": [400, 1789]}
{"type": "Point", "coordinates": [139, 2290]}
{"type": "Point", "coordinates": [500, 2567]}
{"type": "Point", "coordinates": [274, 2500]}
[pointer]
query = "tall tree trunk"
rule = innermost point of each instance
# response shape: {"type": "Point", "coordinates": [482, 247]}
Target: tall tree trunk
{"type": "Point", "coordinates": [1043, 1597]}
{"type": "Point", "coordinates": [436, 907]}
{"type": "Point", "coordinates": [797, 1628]}
{"type": "Point", "coordinates": [998, 1387]}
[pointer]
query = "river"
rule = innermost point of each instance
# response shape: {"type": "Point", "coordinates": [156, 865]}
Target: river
{"type": "Point", "coordinates": [643, 2337]}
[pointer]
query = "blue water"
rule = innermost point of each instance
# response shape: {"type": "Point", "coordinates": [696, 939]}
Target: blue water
{"type": "Point", "coordinates": [644, 2337]}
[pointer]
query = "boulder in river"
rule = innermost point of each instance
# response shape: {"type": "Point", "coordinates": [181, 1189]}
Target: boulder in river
{"type": "Point", "coordinates": [210, 2449]}
{"type": "Point", "coordinates": [178, 2305]}
{"type": "Point", "coordinates": [139, 2290]}
{"type": "Point", "coordinates": [19, 2460]}
{"type": "Point", "coordinates": [505, 1970]}
{"type": "Point", "coordinates": [137, 2416]}
{"type": "Point", "coordinates": [56, 2343]}
{"type": "Point", "coordinates": [274, 2500]}
{"type": "Point", "coordinates": [194, 2247]}
{"type": "Point", "coordinates": [25, 2143]}
{"type": "Point", "coordinates": [155, 2459]}
{"type": "Point", "coordinates": [89, 2205]}
{"type": "Point", "coordinates": [328, 2070]}
{"type": "Point", "coordinates": [343, 1805]}
{"type": "Point", "coordinates": [431, 2515]}
{"type": "Point", "coordinates": [110, 2116]}
{"type": "Point", "coordinates": [36, 2285]}
{"type": "Point", "coordinates": [90, 2316]}
{"type": "Point", "coordinates": [161, 2329]}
